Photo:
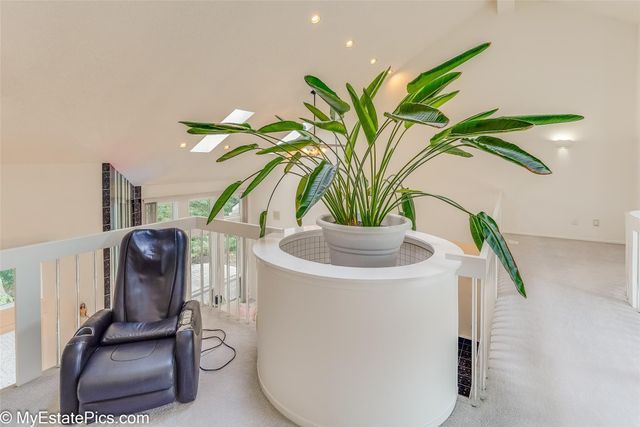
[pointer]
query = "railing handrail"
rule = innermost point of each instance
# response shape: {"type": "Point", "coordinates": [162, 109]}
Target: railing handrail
{"type": "Point", "coordinates": [39, 252]}
{"type": "Point", "coordinates": [632, 258]}
{"type": "Point", "coordinates": [475, 266]}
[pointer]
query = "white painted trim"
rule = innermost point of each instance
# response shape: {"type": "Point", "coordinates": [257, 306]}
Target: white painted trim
{"type": "Point", "coordinates": [632, 258]}
{"type": "Point", "coordinates": [27, 262]}
{"type": "Point", "coordinates": [552, 236]}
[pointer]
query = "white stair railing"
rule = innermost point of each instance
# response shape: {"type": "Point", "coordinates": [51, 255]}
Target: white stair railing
{"type": "Point", "coordinates": [483, 270]}
{"type": "Point", "coordinates": [223, 288]}
{"type": "Point", "coordinates": [30, 289]}
{"type": "Point", "coordinates": [633, 258]}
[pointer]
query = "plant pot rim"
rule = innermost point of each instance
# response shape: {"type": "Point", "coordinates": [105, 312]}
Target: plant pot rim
{"type": "Point", "coordinates": [326, 221]}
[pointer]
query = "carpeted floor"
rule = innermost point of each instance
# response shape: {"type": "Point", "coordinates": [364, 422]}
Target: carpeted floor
{"type": "Point", "coordinates": [569, 355]}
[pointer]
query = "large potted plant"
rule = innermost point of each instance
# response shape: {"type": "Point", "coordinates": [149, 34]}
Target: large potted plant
{"type": "Point", "coordinates": [350, 172]}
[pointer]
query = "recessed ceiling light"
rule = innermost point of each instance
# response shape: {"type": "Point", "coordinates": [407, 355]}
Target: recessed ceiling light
{"type": "Point", "coordinates": [209, 142]}
{"type": "Point", "coordinates": [226, 147]}
{"type": "Point", "coordinates": [315, 19]}
{"type": "Point", "coordinates": [373, 61]}
{"type": "Point", "coordinates": [183, 145]}
{"type": "Point", "coordinates": [349, 43]}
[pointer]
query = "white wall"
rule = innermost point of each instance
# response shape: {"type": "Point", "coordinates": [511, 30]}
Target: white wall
{"type": "Point", "coordinates": [282, 205]}
{"type": "Point", "coordinates": [637, 206]}
{"type": "Point", "coordinates": [43, 202]}
{"type": "Point", "coordinates": [543, 59]}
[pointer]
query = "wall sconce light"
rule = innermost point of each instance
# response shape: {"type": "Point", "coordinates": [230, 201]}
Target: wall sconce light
{"type": "Point", "coordinates": [563, 143]}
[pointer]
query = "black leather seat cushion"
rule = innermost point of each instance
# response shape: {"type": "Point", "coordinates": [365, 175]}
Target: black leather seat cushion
{"type": "Point", "coordinates": [122, 332]}
{"type": "Point", "coordinates": [128, 369]}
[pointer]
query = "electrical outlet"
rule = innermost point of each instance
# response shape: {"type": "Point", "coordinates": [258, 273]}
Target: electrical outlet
{"type": "Point", "coordinates": [596, 223]}
{"type": "Point", "coordinates": [276, 215]}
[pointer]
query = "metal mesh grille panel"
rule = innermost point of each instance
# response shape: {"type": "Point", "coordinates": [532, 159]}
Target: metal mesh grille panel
{"type": "Point", "coordinates": [312, 247]}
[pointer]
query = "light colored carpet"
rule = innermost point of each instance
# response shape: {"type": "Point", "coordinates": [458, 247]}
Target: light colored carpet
{"type": "Point", "coordinates": [7, 359]}
{"type": "Point", "coordinates": [569, 355]}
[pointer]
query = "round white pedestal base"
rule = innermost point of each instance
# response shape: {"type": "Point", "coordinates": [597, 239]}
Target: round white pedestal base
{"type": "Point", "coordinates": [343, 346]}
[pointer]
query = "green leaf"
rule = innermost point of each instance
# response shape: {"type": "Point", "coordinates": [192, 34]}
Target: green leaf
{"type": "Point", "coordinates": [299, 190]}
{"type": "Point", "coordinates": [455, 151]}
{"type": "Point", "coordinates": [317, 112]}
{"type": "Point", "coordinates": [408, 208]}
{"type": "Point", "coordinates": [292, 161]}
{"type": "Point", "coordinates": [428, 76]}
{"type": "Point", "coordinates": [438, 101]}
{"type": "Point", "coordinates": [328, 95]}
{"type": "Point", "coordinates": [498, 244]}
{"type": "Point", "coordinates": [351, 143]}
{"type": "Point", "coordinates": [434, 87]}
{"type": "Point", "coordinates": [318, 182]}
{"type": "Point", "coordinates": [220, 126]}
{"type": "Point", "coordinates": [370, 109]}
{"type": "Point", "coordinates": [263, 223]}
{"type": "Point", "coordinates": [281, 126]}
{"type": "Point", "coordinates": [288, 146]}
{"type": "Point", "coordinates": [375, 85]}
{"type": "Point", "coordinates": [476, 231]}
{"type": "Point", "coordinates": [216, 131]}
{"type": "Point", "coordinates": [266, 170]}
{"type": "Point", "coordinates": [419, 113]}
{"type": "Point", "coordinates": [479, 116]}
{"type": "Point", "coordinates": [508, 151]}
{"type": "Point", "coordinates": [363, 117]}
{"type": "Point", "coordinates": [479, 127]}
{"type": "Point", "coordinates": [331, 126]}
{"type": "Point", "coordinates": [549, 119]}
{"type": "Point", "coordinates": [237, 151]}
{"type": "Point", "coordinates": [440, 136]}
{"type": "Point", "coordinates": [222, 200]}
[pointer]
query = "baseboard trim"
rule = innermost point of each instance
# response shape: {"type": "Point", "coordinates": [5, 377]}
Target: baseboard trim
{"type": "Point", "coordinates": [583, 239]}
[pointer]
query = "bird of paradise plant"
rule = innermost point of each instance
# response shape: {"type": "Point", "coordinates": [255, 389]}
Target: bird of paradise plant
{"type": "Point", "coordinates": [351, 174]}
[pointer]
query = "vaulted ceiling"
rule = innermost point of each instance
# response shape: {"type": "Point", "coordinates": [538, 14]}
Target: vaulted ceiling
{"type": "Point", "coordinates": [107, 81]}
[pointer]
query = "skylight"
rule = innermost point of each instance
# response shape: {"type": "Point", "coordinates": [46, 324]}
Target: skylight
{"type": "Point", "coordinates": [209, 142]}
{"type": "Point", "coordinates": [295, 134]}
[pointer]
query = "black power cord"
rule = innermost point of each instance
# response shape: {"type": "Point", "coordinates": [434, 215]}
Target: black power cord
{"type": "Point", "coordinates": [221, 343]}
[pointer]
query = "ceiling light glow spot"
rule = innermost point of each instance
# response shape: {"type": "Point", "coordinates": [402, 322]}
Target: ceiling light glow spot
{"type": "Point", "coordinates": [349, 43]}
{"type": "Point", "coordinates": [315, 19]}
{"type": "Point", "coordinates": [373, 61]}
{"type": "Point", "coordinates": [183, 145]}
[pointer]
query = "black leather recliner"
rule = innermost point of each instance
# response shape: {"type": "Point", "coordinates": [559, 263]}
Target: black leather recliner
{"type": "Point", "coordinates": [145, 352]}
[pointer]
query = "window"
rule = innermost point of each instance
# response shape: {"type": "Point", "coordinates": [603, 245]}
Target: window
{"type": "Point", "coordinates": [158, 212]}
{"type": "Point", "coordinates": [232, 209]}
{"type": "Point", "coordinates": [199, 207]}
{"type": "Point", "coordinates": [200, 244]}
{"type": "Point", "coordinates": [7, 286]}
{"type": "Point", "coordinates": [164, 211]}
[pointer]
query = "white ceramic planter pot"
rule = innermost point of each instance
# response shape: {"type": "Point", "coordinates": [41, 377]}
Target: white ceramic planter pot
{"type": "Point", "coordinates": [354, 246]}
{"type": "Point", "coordinates": [357, 347]}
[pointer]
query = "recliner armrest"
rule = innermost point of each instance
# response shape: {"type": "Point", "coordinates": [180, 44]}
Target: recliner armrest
{"type": "Point", "coordinates": [122, 332]}
{"type": "Point", "coordinates": [188, 346]}
{"type": "Point", "coordinates": [75, 355]}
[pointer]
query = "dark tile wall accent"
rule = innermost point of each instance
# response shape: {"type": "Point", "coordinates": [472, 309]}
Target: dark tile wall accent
{"type": "Point", "coordinates": [106, 226]}
{"type": "Point", "coordinates": [108, 174]}
{"type": "Point", "coordinates": [136, 205]}
{"type": "Point", "coordinates": [464, 367]}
